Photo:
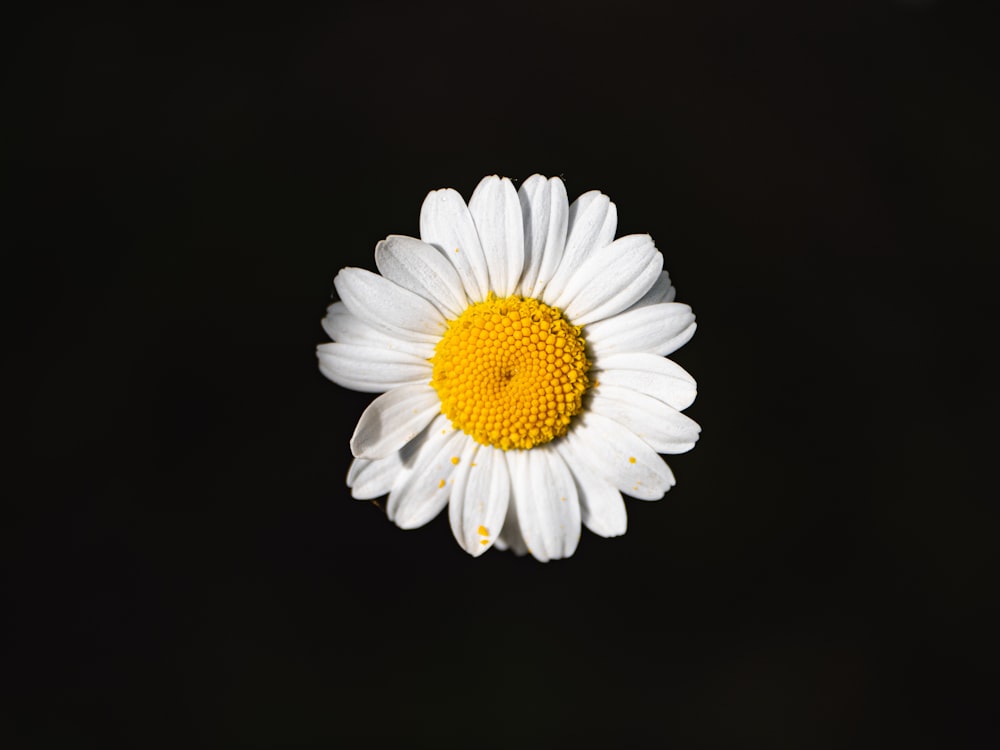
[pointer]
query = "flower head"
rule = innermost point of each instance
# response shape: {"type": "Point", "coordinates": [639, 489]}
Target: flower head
{"type": "Point", "coordinates": [520, 352]}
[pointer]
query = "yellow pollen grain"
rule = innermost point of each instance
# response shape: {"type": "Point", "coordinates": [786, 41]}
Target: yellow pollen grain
{"type": "Point", "coordinates": [484, 542]}
{"type": "Point", "coordinates": [454, 459]}
{"type": "Point", "coordinates": [511, 372]}
{"type": "Point", "coordinates": [441, 484]}
{"type": "Point", "coordinates": [631, 459]}
{"type": "Point", "coordinates": [483, 531]}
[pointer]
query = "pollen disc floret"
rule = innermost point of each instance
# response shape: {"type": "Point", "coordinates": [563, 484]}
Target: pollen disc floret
{"type": "Point", "coordinates": [511, 372]}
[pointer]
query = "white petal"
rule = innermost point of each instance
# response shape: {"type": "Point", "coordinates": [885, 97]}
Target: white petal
{"type": "Point", "coordinates": [621, 457]}
{"type": "Point", "coordinates": [545, 210]}
{"type": "Point", "coordinates": [548, 509]}
{"type": "Point", "coordinates": [394, 419]}
{"type": "Point", "coordinates": [497, 212]}
{"type": "Point", "coordinates": [357, 466]}
{"type": "Point", "coordinates": [479, 498]}
{"type": "Point", "coordinates": [611, 279]}
{"type": "Point", "coordinates": [510, 536]}
{"type": "Point", "coordinates": [593, 219]}
{"type": "Point", "coordinates": [646, 373]}
{"type": "Point", "coordinates": [363, 368]}
{"type": "Point", "coordinates": [446, 223]}
{"type": "Point", "coordinates": [422, 269]}
{"type": "Point", "coordinates": [343, 327]}
{"type": "Point", "coordinates": [661, 291]}
{"type": "Point", "coordinates": [423, 492]}
{"type": "Point", "coordinates": [602, 508]}
{"type": "Point", "coordinates": [659, 329]}
{"type": "Point", "coordinates": [388, 306]}
{"type": "Point", "coordinates": [371, 479]}
{"type": "Point", "coordinates": [663, 427]}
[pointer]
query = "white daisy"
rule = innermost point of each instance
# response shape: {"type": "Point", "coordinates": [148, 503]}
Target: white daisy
{"type": "Point", "coordinates": [520, 353]}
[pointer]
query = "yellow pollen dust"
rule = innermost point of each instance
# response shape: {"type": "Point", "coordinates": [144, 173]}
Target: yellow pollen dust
{"type": "Point", "coordinates": [511, 372]}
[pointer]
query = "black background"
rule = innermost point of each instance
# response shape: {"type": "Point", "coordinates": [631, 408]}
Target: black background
{"type": "Point", "coordinates": [182, 563]}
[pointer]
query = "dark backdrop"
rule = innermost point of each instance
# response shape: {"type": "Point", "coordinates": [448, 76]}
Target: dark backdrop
{"type": "Point", "coordinates": [183, 565]}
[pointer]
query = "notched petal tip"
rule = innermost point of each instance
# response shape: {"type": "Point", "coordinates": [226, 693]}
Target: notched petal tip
{"type": "Point", "coordinates": [478, 549]}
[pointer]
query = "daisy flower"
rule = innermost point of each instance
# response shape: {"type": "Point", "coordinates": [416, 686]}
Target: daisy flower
{"type": "Point", "coordinates": [520, 352]}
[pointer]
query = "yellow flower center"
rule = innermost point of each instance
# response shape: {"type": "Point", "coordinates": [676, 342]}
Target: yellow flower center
{"type": "Point", "coordinates": [511, 372]}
